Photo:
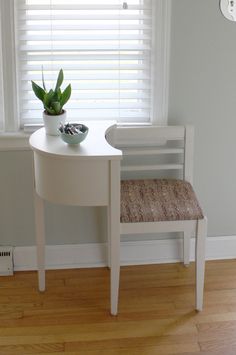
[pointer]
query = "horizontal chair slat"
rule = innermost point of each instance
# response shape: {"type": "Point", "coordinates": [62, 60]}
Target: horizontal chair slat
{"type": "Point", "coordinates": [138, 151]}
{"type": "Point", "coordinates": [152, 134]}
{"type": "Point", "coordinates": [158, 227]}
{"type": "Point", "coordinates": [152, 167]}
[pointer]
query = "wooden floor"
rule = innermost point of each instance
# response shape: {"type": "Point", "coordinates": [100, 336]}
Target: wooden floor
{"type": "Point", "coordinates": [156, 313]}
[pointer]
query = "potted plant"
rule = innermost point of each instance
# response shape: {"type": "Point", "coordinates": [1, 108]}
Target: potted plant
{"type": "Point", "coordinates": [53, 103]}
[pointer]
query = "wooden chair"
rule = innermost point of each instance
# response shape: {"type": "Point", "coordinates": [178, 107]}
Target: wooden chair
{"type": "Point", "coordinates": [162, 203]}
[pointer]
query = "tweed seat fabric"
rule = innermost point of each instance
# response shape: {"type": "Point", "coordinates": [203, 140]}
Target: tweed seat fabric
{"type": "Point", "coordinates": [158, 200]}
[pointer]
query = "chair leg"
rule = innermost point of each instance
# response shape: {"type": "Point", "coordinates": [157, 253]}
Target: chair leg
{"type": "Point", "coordinates": [187, 240]}
{"type": "Point", "coordinates": [200, 262]}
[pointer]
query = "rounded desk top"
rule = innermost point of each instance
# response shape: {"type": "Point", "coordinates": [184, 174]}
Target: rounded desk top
{"type": "Point", "coordinates": [94, 146]}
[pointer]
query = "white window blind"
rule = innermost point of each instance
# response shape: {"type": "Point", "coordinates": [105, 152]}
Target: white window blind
{"type": "Point", "coordinates": [104, 48]}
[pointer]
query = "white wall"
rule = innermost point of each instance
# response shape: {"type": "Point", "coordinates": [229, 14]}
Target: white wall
{"type": "Point", "coordinates": [16, 198]}
{"type": "Point", "coordinates": [202, 92]}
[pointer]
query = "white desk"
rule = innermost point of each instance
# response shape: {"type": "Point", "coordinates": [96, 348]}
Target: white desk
{"type": "Point", "coordinates": [85, 175]}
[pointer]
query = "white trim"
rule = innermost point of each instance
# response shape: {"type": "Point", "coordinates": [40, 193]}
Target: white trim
{"type": "Point", "coordinates": [161, 59]}
{"type": "Point", "coordinates": [2, 114]}
{"type": "Point", "coordinates": [132, 253]}
{"type": "Point", "coordinates": [14, 141]}
{"type": "Point", "coordinates": [9, 66]}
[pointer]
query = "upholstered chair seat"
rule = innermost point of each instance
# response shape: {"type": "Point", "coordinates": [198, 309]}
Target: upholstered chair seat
{"type": "Point", "coordinates": [158, 200]}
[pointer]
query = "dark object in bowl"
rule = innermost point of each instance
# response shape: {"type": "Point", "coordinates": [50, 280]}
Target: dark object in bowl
{"type": "Point", "coordinates": [73, 133]}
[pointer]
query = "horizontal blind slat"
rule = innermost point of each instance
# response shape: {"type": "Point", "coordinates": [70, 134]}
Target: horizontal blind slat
{"type": "Point", "coordinates": [38, 37]}
{"type": "Point", "coordinates": [55, 47]}
{"type": "Point", "coordinates": [145, 6]}
{"type": "Point", "coordinates": [60, 57]}
{"type": "Point", "coordinates": [80, 17]}
{"type": "Point", "coordinates": [93, 105]}
{"type": "Point", "coordinates": [75, 26]}
{"type": "Point", "coordinates": [79, 113]}
{"type": "Point", "coordinates": [96, 85]}
{"type": "Point", "coordinates": [101, 75]}
{"type": "Point", "coordinates": [96, 95]}
{"type": "Point", "coordinates": [98, 65]}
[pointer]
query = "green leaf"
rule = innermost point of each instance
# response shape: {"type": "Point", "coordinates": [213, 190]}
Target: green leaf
{"type": "Point", "coordinates": [59, 80]}
{"type": "Point", "coordinates": [44, 86]}
{"type": "Point", "coordinates": [39, 92]}
{"type": "Point", "coordinates": [65, 95]}
{"type": "Point", "coordinates": [49, 110]}
{"type": "Point", "coordinates": [59, 94]}
{"type": "Point", "coordinates": [56, 107]}
{"type": "Point", "coordinates": [56, 96]}
{"type": "Point", "coordinates": [48, 98]}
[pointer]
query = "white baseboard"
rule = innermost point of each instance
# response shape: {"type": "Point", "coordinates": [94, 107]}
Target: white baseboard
{"type": "Point", "coordinates": [132, 253]}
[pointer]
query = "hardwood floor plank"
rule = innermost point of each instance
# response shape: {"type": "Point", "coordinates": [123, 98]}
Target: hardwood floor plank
{"type": "Point", "coordinates": [132, 344]}
{"type": "Point", "coordinates": [32, 348]}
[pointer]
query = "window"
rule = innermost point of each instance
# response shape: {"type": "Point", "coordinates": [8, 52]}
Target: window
{"type": "Point", "coordinates": [111, 52]}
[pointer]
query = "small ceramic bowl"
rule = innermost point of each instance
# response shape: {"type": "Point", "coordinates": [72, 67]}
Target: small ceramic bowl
{"type": "Point", "coordinates": [75, 138]}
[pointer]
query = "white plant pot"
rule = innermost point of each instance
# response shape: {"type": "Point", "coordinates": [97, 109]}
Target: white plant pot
{"type": "Point", "coordinates": [52, 123]}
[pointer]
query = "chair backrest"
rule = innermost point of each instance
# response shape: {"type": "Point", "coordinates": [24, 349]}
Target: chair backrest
{"type": "Point", "coordinates": [155, 149]}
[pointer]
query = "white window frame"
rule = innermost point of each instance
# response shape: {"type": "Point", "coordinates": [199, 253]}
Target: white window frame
{"type": "Point", "coordinates": [160, 88]}
{"type": "Point", "coordinates": [9, 70]}
{"type": "Point", "coordinates": [160, 84]}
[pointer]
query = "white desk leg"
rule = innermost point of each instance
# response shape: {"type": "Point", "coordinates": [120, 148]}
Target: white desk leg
{"type": "Point", "coordinates": [108, 237]}
{"type": "Point", "coordinates": [40, 240]}
{"type": "Point", "coordinates": [114, 233]}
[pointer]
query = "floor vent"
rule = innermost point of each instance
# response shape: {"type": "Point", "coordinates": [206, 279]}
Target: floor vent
{"type": "Point", "coordinates": [6, 261]}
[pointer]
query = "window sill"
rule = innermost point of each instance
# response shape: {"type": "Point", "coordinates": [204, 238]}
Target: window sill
{"type": "Point", "coordinates": [14, 141]}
